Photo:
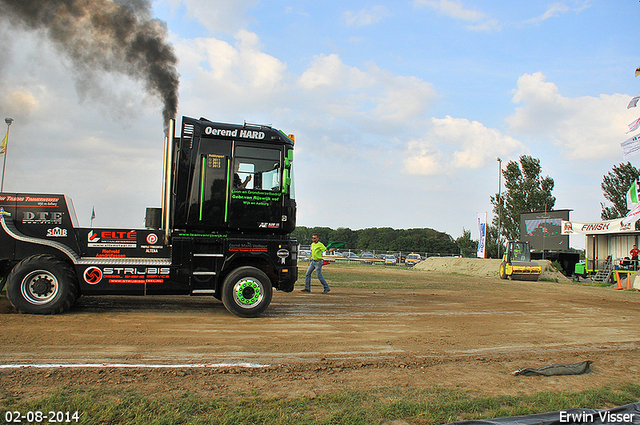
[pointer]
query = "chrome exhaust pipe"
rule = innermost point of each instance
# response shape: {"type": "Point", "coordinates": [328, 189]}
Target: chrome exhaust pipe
{"type": "Point", "coordinates": [166, 180]}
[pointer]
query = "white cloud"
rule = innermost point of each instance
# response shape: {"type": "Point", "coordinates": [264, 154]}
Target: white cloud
{"type": "Point", "coordinates": [457, 143]}
{"type": "Point", "coordinates": [330, 73]}
{"type": "Point", "coordinates": [584, 127]}
{"type": "Point", "coordinates": [403, 98]}
{"type": "Point", "coordinates": [297, 10]}
{"type": "Point", "coordinates": [374, 95]}
{"type": "Point", "coordinates": [553, 11]}
{"type": "Point", "coordinates": [556, 9]}
{"type": "Point", "coordinates": [219, 76]}
{"type": "Point", "coordinates": [423, 158]}
{"type": "Point", "coordinates": [217, 15]}
{"type": "Point", "coordinates": [456, 10]}
{"type": "Point", "coordinates": [366, 16]}
{"type": "Point", "coordinates": [452, 8]}
{"type": "Point", "coordinates": [486, 26]}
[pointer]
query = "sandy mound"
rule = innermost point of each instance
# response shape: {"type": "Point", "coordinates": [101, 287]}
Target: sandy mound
{"type": "Point", "coordinates": [480, 267]}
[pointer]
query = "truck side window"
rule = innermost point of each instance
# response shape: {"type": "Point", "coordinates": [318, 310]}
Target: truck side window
{"type": "Point", "coordinates": [243, 175]}
{"type": "Point", "coordinates": [257, 168]}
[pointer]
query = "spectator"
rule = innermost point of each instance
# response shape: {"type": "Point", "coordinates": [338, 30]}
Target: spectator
{"type": "Point", "coordinates": [634, 257]}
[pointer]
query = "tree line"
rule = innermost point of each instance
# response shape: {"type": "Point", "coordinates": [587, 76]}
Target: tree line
{"type": "Point", "coordinates": [382, 239]}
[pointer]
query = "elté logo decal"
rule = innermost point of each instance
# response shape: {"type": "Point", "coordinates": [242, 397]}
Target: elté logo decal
{"type": "Point", "coordinates": [112, 239]}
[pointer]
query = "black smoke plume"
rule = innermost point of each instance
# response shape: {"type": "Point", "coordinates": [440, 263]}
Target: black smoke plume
{"type": "Point", "coordinates": [113, 36]}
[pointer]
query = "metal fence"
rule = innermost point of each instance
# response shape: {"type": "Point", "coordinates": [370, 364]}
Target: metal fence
{"type": "Point", "coordinates": [366, 256]}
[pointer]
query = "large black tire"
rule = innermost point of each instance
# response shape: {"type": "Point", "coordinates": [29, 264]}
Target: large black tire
{"type": "Point", "coordinates": [503, 271]}
{"type": "Point", "coordinates": [246, 292]}
{"type": "Point", "coordinates": [42, 284]}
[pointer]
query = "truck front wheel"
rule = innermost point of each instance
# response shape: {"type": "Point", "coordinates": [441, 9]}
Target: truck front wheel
{"type": "Point", "coordinates": [42, 284]}
{"type": "Point", "coordinates": [246, 292]}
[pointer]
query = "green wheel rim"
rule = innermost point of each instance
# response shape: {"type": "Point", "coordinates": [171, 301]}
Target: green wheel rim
{"type": "Point", "coordinates": [248, 292]}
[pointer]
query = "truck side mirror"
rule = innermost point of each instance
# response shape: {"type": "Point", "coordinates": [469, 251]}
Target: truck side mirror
{"type": "Point", "coordinates": [286, 174]}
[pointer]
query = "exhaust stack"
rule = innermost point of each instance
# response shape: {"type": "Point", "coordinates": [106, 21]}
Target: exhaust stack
{"type": "Point", "coordinates": [166, 179]}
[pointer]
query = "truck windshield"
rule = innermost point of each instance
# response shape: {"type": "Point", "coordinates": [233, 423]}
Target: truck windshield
{"type": "Point", "coordinates": [257, 168]}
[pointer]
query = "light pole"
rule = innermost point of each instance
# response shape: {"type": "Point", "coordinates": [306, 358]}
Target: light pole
{"type": "Point", "coordinates": [499, 202]}
{"type": "Point", "coordinates": [544, 226]}
{"type": "Point", "coordinates": [6, 147]}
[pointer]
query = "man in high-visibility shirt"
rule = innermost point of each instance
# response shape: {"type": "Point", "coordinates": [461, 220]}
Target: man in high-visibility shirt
{"type": "Point", "coordinates": [317, 248]}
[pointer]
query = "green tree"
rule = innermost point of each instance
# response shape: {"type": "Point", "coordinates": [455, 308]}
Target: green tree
{"type": "Point", "coordinates": [343, 234]}
{"type": "Point", "coordinates": [383, 239]}
{"type": "Point", "coordinates": [304, 234]}
{"type": "Point", "coordinates": [468, 247]}
{"type": "Point", "coordinates": [525, 191]}
{"type": "Point", "coordinates": [615, 186]}
{"type": "Point", "coordinates": [493, 243]}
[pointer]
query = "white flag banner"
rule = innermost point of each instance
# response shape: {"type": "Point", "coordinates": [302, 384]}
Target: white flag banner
{"type": "Point", "coordinates": [482, 228]}
{"type": "Point", "coordinates": [634, 102]}
{"type": "Point", "coordinates": [630, 147]}
{"type": "Point", "coordinates": [632, 216]}
{"type": "Point", "coordinates": [634, 125]}
{"type": "Point", "coordinates": [608, 226]}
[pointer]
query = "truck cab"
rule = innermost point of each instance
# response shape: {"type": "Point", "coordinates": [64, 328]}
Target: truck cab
{"type": "Point", "coordinates": [233, 178]}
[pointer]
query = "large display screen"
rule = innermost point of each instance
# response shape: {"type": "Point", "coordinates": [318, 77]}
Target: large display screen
{"type": "Point", "coordinates": [543, 230]}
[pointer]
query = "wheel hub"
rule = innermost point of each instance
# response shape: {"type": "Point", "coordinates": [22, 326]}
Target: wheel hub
{"type": "Point", "coordinates": [248, 293]}
{"type": "Point", "coordinates": [41, 286]}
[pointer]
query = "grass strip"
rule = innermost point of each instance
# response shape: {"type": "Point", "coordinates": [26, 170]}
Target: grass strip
{"type": "Point", "coordinates": [354, 407]}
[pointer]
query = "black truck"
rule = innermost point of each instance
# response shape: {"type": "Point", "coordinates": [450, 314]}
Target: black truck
{"type": "Point", "coordinates": [223, 229]}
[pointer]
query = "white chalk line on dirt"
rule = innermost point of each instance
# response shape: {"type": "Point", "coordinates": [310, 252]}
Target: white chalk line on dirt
{"type": "Point", "coordinates": [134, 366]}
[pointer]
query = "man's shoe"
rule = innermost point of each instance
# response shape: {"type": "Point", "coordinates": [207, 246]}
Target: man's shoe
{"type": "Point", "coordinates": [305, 290]}
{"type": "Point", "coordinates": [326, 291]}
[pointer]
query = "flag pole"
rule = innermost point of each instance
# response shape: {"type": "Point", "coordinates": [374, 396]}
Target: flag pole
{"type": "Point", "coordinates": [6, 147]}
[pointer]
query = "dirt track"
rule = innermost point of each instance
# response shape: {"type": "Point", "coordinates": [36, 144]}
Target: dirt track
{"type": "Point", "coordinates": [456, 331]}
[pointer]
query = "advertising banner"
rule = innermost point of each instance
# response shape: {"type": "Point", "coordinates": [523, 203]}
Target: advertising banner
{"type": "Point", "coordinates": [482, 228]}
{"type": "Point", "coordinates": [609, 226]}
{"type": "Point", "coordinates": [632, 217]}
{"type": "Point", "coordinates": [630, 147]}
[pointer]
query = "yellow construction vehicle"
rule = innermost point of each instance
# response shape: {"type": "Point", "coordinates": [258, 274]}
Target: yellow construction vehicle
{"type": "Point", "coordinates": [517, 263]}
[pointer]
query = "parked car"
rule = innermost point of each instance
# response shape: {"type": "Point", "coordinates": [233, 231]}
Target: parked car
{"type": "Point", "coordinates": [331, 256]}
{"type": "Point", "coordinates": [349, 254]}
{"type": "Point", "coordinates": [368, 256]}
{"type": "Point", "coordinates": [390, 260]}
{"type": "Point", "coordinates": [304, 255]}
{"type": "Point", "coordinates": [412, 260]}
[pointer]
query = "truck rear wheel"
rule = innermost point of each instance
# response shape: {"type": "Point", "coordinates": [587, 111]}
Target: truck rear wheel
{"type": "Point", "coordinates": [42, 284]}
{"type": "Point", "coordinates": [246, 292]}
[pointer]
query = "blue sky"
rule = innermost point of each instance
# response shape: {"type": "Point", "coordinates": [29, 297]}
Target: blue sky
{"type": "Point", "coordinates": [399, 108]}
